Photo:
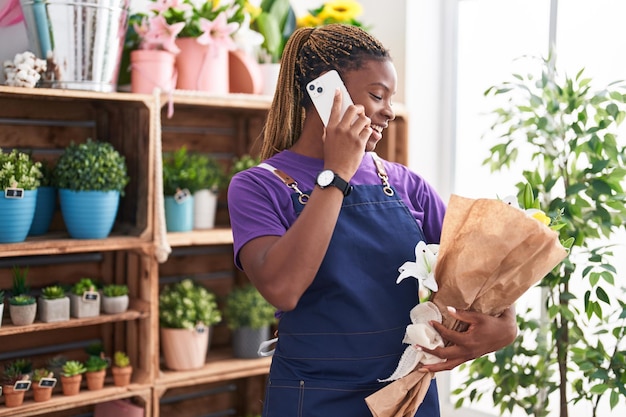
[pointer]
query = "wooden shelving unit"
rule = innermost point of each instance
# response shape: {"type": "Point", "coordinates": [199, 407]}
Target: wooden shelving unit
{"type": "Point", "coordinates": [44, 121]}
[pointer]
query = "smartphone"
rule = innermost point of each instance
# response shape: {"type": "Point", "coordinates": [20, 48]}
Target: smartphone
{"type": "Point", "coordinates": [322, 92]}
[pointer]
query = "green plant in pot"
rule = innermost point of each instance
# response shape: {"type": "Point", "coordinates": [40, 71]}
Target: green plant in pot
{"type": "Point", "coordinates": [22, 305]}
{"type": "Point", "coordinates": [53, 304]}
{"type": "Point", "coordinates": [250, 317]}
{"type": "Point", "coordinates": [91, 178]}
{"type": "Point", "coordinates": [575, 164]}
{"type": "Point", "coordinates": [121, 369]}
{"type": "Point", "coordinates": [95, 371]}
{"type": "Point", "coordinates": [13, 376]}
{"type": "Point", "coordinates": [20, 178]}
{"type": "Point", "coordinates": [187, 311]}
{"type": "Point", "coordinates": [46, 201]}
{"type": "Point", "coordinates": [72, 376]}
{"type": "Point", "coordinates": [180, 181]}
{"type": "Point", "coordinates": [210, 178]}
{"type": "Point", "coordinates": [115, 298]}
{"type": "Point", "coordinates": [43, 383]}
{"type": "Point", "coordinates": [85, 299]}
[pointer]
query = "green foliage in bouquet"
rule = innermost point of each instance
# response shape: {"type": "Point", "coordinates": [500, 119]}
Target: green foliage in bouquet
{"type": "Point", "coordinates": [577, 171]}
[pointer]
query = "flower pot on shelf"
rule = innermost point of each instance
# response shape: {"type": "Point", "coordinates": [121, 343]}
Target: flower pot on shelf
{"type": "Point", "coordinates": [81, 307]}
{"type": "Point", "coordinates": [95, 379]}
{"type": "Point", "coordinates": [12, 398]}
{"type": "Point", "coordinates": [246, 341]}
{"type": "Point", "coordinates": [17, 216]}
{"type": "Point", "coordinates": [43, 384]}
{"type": "Point", "coordinates": [71, 384]}
{"type": "Point", "coordinates": [202, 67]}
{"type": "Point", "coordinates": [54, 310]}
{"type": "Point", "coordinates": [205, 207]}
{"type": "Point", "coordinates": [89, 214]}
{"type": "Point", "coordinates": [114, 305]}
{"type": "Point", "coordinates": [41, 394]}
{"type": "Point", "coordinates": [23, 314]}
{"type": "Point", "coordinates": [122, 375]}
{"type": "Point", "coordinates": [179, 214]}
{"type": "Point", "coordinates": [152, 69]}
{"type": "Point", "coordinates": [184, 349]}
{"type": "Point", "coordinates": [269, 74]}
{"type": "Point", "coordinates": [44, 211]}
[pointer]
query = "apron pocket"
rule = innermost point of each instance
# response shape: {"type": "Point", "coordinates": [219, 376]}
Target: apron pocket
{"type": "Point", "coordinates": [316, 398]}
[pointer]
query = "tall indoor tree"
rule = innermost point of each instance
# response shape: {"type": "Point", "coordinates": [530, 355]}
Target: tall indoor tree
{"type": "Point", "coordinates": [564, 135]}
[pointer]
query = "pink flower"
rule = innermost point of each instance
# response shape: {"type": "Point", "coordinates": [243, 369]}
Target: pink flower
{"type": "Point", "coordinates": [157, 34]}
{"type": "Point", "coordinates": [217, 32]}
{"type": "Point", "coordinates": [160, 6]}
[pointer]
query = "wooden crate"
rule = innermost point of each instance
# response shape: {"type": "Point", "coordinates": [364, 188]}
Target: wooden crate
{"type": "Point", "coordinates": [45, 121]}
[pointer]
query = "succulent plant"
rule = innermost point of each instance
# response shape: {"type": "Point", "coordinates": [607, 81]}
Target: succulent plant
{"type": "Point", "coordinates": [115, 290]}
{"type": "Point", "coordinates": [83, 285]}
{"type": "Point", "coordinates": [72, 368]}
{"type": "Point", "coordinates": [22, 300]}
{"type": "Point", "coordinates": [120, 359]}
{"type": "Point", "coordinates": [96, 363]}
{"type": "Point", "coordinates": [19, 281]}
{"type": "Point", "coordinates": [52, 292]}
{"type": "Point", "coordinates": [40, 373]}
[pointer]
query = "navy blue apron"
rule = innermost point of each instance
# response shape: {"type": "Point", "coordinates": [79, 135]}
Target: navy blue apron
{"type": "Point", "coordinates": [347, 328]}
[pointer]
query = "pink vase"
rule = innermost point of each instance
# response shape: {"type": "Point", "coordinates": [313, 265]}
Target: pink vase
{"type": "Point", "coordinates": [201, 67]}
{"type": "Point", "coordinates": [151, 69]}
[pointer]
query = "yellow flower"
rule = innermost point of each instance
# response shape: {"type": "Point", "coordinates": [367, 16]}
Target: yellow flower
{"type": "Point", "coordinates": [541, 216]}
{"type": "Point", "coordinates": [340, 11]}
{"type": "Point", "coordinates": [308, 21]}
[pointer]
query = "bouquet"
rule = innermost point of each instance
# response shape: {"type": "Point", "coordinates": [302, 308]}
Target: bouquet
{"type": "Point", "coordinates": [490, 253]}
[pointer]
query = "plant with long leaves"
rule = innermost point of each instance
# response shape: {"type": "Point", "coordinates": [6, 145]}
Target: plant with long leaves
{"type": "Point", "coordinates": [575, 166]}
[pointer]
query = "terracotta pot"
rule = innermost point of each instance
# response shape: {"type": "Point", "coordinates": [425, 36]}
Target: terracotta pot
{"type": "Point", "coordinates": [202, 67]}
{"type": "Point", "coordinates": [95, 380]}
{"type": "Point", "coordinates": [71, 384]}
{"type": "Point", "coordinates": [12, 398]}
{"type": "Point", "coordinates": [41, 394]}
{"type": "Point", "coordinates": [184, 349]}
{"type": "Point", "coordinates": [150, 69]}
{"type": "Point", "coordinates": [121, 376]}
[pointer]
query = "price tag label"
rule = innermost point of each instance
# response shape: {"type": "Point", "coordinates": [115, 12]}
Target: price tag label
{"type": "Point", "coordinates": [23, 385]}
{"type": "Point", "coordinates": [14, 193]}
{"type": "Point", "coordinates": [47, 382]}
{"type": "Point", "coordinates": [91, 296]}
{"type": "Point", "coordinates": [181, 196]}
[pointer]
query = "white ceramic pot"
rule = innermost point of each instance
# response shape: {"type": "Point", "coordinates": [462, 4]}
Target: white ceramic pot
{"type": "Point", "coordinates": [269, 74]}
{"type": "Point", "coordinates": [1, 311]}
{"type": "Point", "coordinates": [205, 206]}
{"type": "Point", "coordinates": [114, 305]}
{"type": "Point", "coordinates": [81, 308]}
{"type": "Point", "coordinates": [54, 310]}
{"type": "Point", "coordinates": [23, 315]}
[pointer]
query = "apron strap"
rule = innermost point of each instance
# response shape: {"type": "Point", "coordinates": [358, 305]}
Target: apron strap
{"type": "Point", "coordinates": [287, 180]}
{"type": "Point", "coordinates": [382, 174]}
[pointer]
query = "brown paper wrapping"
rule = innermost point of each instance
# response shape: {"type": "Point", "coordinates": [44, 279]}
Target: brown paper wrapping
{"type": "Point", "coordinates": [490, 254]}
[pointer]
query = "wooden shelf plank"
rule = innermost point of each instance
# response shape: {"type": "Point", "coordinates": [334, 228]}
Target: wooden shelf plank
{"type": "Point", "coordinates": [137, 311]}
{"type": "Point", "coordinates": [60, 243]}
{"type": "Point", "coordinates": [220, 366]}
{"type": "Point", "coordinates": [217, 236]}
{"type": "Point", "coordinates": [60, 402]}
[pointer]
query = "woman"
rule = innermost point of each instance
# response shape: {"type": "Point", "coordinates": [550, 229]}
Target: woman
{"type": "Point", "coordinates": [324, 247]}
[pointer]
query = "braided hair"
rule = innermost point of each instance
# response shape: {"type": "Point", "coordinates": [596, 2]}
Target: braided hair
{"type": "Point", "coordinates": [309, 53]}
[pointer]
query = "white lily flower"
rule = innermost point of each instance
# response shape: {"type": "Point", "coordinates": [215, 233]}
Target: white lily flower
{"type": "Point", "coordinates": [424, 266]}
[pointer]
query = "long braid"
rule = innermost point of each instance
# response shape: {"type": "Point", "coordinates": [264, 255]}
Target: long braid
{"type": "Point", "coordinates": [310, 52]}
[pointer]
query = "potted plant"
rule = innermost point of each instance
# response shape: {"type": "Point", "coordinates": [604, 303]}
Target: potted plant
{"type": "Point", "coordinates": [186, 313]}
{"type": "Point", "coordinates": [19, 179]}
{"type": "Point", "coordinates": [566, 130]}
{"type": "Point", "coordinates": [22, 305]}
{"type": "Point", "coordinates": [250, 317]}
{"type": "Point", "coordinates": [276, 21]}
{"type": "Point", "coordinates": [91, 178]}
{"type": "Point", "coordinates": [54, 305]}
{"type": "Point", "coordinates": [121, 369]}
{"type": "Point", "coordinates": [114, 298]}
{"type": "Point", "coordinates": [179, 184]}
{"type": "Point", "coordinates": [96, 371]}
{"type": "Point", "coordinates": [71, 377]}
{"type": "Point", "coordinates": [210, 178]}
{"type": "Point", "coordinates": [15, 382]}
{"type": "Point", "coordinates": [43, 383]}
{"type": "Point", "coordinates": [84, 299]}
{"type": "Point", "coordinates": [46, 201]}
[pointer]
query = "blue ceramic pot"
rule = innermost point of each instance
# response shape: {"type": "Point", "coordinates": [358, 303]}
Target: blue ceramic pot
{"type": "Point", "coordinates": [89, 214]}
{"type": "Point", "coordinates": [17, 216]}
{"type": "Point", "coordinates": [44, 210]}
{"type": "Point", "coordinates": [179, 215]}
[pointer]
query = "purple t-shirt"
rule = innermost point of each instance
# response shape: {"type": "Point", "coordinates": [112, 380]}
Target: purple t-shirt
{"type": "Point", "coordinates": [260, 204]}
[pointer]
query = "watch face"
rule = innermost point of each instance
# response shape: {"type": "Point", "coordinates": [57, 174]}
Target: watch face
{"type": "Point", "coordinates": [325, 178]}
